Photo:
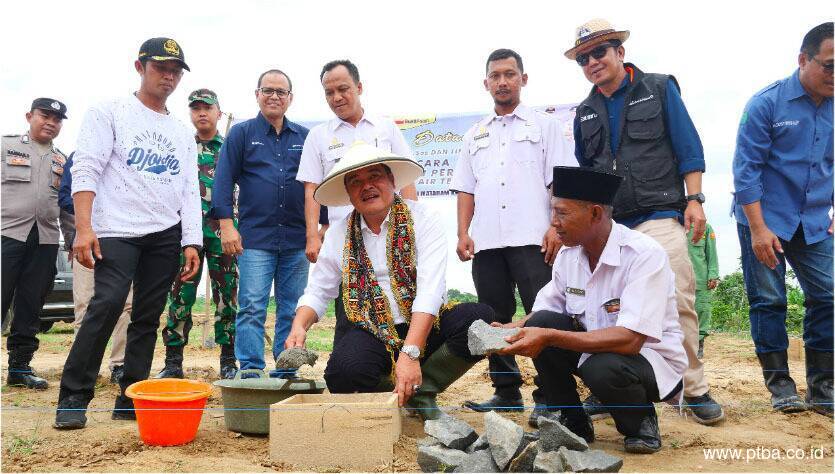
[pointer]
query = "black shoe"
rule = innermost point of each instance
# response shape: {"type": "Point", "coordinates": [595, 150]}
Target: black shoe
{"type": "Point", "coordinates": [71, 413]}
{"type": "Point", "coordinates": [116, 374]}
{"type": "Point", "coordinates": [701, 353]}
{"type": "Point", "coordinates": [497, 403]}
{"type": "Point", "coordinates": [173, 364]}
{"type": "Point", "coordinates": [784, 395]}
{"type": "Point", "coordinates": [579, 424]}
{"type": "Point", "coordinates": [24, 376]}
{"type": "Point", "coordinates": [123, 409]}
{"type": "Point", "coordinates": [228, 367]}
{"type": "Point", "coordinates": [705, 409]}
{"type": "Point", "coordinates": [819, 381]}
{"type": "Point", "coordinates": [541, 410]}
{"type": "Point", "coordinates": [648, 438]}
{"type": "Point", "coordinates": [595, 408]}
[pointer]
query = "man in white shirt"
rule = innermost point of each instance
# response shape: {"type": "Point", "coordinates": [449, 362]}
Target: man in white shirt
{"type": "Point", "coordinates": [608, 315]}
{"type": "Point", "coordinates": [389, 259]}
{"type": "Point", "coordinates": [135, 178]}
{"type": "Point", "coordinates": [502, 177]}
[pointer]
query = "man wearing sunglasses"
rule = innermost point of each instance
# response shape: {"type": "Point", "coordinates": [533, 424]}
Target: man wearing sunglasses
{"type": "Point", "coordinates": [783, 199]}
{"type": "Point", "coordinates": [635, 125]}
{"type": "Point", "coordinates": [261, 156]}
{"type": "Point", "coordinates": [137, 207]}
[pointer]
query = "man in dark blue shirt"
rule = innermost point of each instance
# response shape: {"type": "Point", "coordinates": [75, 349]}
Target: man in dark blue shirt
{"type": "Point", "coordinates": [635, 125]}
{"type": "Point", "coordinates": [261, 156]}
{"type": "Point", "coordinates": [783, 199]}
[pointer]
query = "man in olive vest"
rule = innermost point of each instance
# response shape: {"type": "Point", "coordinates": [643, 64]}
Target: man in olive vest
{"type": "Point", "coordinates": [635, 125]}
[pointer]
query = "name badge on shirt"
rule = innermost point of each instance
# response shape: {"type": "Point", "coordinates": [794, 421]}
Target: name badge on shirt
{"type": "Point", "coordinates": [575, 291]}
{"type": "Point", "coordinates": [17, 153]}
{"type": "Point", "coordinates": [482, 133]}
{"type": "Point", "coordinates": [612, 306]}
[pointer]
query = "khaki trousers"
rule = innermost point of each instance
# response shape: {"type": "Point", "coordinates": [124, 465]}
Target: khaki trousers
{"type": "Point", "coordinates": [670, 234]}
{"type": "Point", "coordinates": [82, 293]}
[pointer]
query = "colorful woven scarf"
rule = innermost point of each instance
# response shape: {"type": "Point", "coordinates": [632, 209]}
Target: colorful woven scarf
{"type": "Point", "coordinates": [366, 305]}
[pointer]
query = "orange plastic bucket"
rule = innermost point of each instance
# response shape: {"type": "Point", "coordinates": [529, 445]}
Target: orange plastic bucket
{"type": "Point", "coordinates": [168, 411]}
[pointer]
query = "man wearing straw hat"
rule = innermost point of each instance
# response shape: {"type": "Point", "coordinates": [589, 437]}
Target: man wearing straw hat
{"type": "Point", "coordinates": [608, 315]}
{"type": "Point", "coordinates": [389, 256]}
{"type": "Point", "coordinates": [635, 125]}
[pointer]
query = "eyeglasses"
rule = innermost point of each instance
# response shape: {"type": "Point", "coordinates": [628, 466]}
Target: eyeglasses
{"type": "Point", "coordinates": [597, 53]}
{"type": "Point", "coordinates": [268, 91]}
{"type": "Point", "coordinates": [828, 67]}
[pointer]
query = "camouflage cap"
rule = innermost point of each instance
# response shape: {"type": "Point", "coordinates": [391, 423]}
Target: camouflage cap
{"type": "Point", "coordinates": [207, 96]}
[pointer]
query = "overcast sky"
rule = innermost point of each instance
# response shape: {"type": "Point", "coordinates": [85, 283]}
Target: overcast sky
{"type": "Point", "coordinates": [414, 58]}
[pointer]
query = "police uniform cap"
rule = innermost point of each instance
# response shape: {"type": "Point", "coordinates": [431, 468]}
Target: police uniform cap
{"type": "Point", "coordinates": [50, 105]}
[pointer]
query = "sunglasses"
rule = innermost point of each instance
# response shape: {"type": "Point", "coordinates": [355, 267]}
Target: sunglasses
{"type": "Point", "coordinates": [597, 53]}
{"type": "Point", "coordinates": [268, 91]}
{"type": "Point", "coordinates": [828, 67]}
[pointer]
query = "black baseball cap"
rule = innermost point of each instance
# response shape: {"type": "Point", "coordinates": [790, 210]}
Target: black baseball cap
{"type": "Point", "coordinates": [50, 105]}
{"type": "Point", "coordinates": [162, 49]}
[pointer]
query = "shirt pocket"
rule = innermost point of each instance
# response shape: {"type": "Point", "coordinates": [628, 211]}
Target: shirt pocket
{"type": "Point", "coordinates": [333, 156]}
{"type": "Point", "coordinates": [575, 305]}
{"type": "Point", "coordinates": [383, 143]}
{"type": "Point", "coordinates": [527, 145]}
{"type": "Point", "coordinates": [609, 312]}
{"type": "Point", "coordinates": [479, 155]}
{"type": "Point", "coordinates": [644, 121]}
{"type": "Point", "coordinates": [16, 168]}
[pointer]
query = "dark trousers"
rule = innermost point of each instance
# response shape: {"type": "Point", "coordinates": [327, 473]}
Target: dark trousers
{"type": "Point", "coordinates": [360, 361]}
{"type": "Point", "coordinates": [624, 383]}
{"type": "Point", "coordinates": [496, 272]}
{"type": "Point", "coordinates": [150, 262]}
{"type": "Point", "coordinates": [28, 272]}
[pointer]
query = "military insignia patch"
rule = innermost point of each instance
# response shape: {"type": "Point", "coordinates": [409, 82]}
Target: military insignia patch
{"type": "Point", "coordinates": [612, 306]}
{"type": "Point", "coordinates": [171, 47]}
{"type": "Point", "coordinates": [18, 162]}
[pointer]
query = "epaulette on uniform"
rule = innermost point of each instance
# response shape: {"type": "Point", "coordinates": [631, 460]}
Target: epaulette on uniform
{"type": "Point", "coordinates": [12, 136]}
{"type": "Point", "coordinates": [767, 88]}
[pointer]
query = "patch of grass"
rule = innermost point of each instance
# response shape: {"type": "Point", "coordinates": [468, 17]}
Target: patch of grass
{"type": "Point", "coordinates": [320, 339]}
{"type": "Point", "coordinates": [24, 445]}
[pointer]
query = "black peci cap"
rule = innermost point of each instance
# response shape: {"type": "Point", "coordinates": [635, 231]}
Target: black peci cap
{"type": "Point", "coordinates": [585, 184]}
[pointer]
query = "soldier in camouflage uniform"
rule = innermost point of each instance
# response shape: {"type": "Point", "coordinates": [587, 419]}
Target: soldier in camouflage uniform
{"type": "Point", "coordinates": [706, 267]}
{"type": "Point", "coordinates": [223, 271]}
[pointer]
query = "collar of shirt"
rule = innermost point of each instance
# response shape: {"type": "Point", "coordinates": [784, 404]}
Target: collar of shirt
{"type": "Point", "coordinates": [522, 112]}
{"type": "Point", "coordinates": [217, 139]}
{"type": "Point", "coordinates": [383, 226]}
{"type": "Point", "coordinates": [266, 127]}
{"type": "Point", "coordinates": [611, 251]}
{"type": "Point", "coordinates": [630, 76]}
{"type": "Point", "coordinates": [336, 122]}
{"type": "Point", "coordinates": [794, 89]}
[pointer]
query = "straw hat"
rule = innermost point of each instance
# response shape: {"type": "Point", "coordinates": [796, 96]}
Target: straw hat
{"type": "Point", "coordinates": [332, 192]}
{"type": "Point", "coordinates": [594, 32]}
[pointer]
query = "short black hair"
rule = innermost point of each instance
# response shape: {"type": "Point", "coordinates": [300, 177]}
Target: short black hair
{"type": "Point", "coordinates": [812, 41]}
{"type": "Point", "coordinates": [275, 71]}
{"type": "Point", "coordinates": [351, 67]}
{"type": "Point", "coordinates": [504, 54]}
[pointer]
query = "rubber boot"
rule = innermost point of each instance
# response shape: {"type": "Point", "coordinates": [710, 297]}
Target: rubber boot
{"type": "Point", "coordinates": [440, 370]}
{"type": "Point", "coordinates": [784, 396]}
{"type": "Point", "coordinates": [228, 367]}
{"type": "Point", "coordinates": [173, 364]}
{"type": "Point", "coordinates": [21, 374]}
{"type": "Point", "coordinates": [819, 381]}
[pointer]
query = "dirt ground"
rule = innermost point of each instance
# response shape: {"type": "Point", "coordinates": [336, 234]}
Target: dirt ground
{"type": "Point", "coordinates": [29, 443]}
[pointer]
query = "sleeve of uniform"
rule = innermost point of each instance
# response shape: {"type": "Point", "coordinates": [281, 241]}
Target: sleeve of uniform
{"type": "Point", "coordinates": [710, 254]}
{"type": "Point", "coordinates": [643, 302]}
{"type": "Point", "coordinates": [191, 212]}
{"type": "Point", "coordinates": [227, 173]}
{"type": "Point", "coordinates": [431, 264]}
{"type": "Point", "coordinates": [463, 179]}
{"type": "Point", "coordinates": [93, 149]}
{"type": "Point", "coordinates": [557, 150]}
{"type": "Point", "coordinates": [552, 296]}
{"type": "Point", "coordinates": [753, 142]}
{"type": "Point", "coordinates": [310, 164]}
{"type": "Point", "coordinates": [683, 135]}
{"type": "Point", "coordinates": [323, 283]}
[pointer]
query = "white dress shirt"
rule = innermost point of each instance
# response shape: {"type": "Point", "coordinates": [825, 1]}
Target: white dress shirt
{"type": "Point", "coordinates": [507, 163]}
{"type": "Point", "coordinates": [328, 142]}
{"type": "Point", "coordinates": [632, 287]}
{"type": "Point", "coordinates": [431, 248]}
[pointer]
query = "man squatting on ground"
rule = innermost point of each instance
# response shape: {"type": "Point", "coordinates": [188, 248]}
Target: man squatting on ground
{"type": "Point", "coordinates": [389, 255]}
{"type": "Point", "coordinates": [223, 270]}
{"type": "Point", "coordinates": [137, 205]}
{"type": "Point", "coordinates": [608, 315]}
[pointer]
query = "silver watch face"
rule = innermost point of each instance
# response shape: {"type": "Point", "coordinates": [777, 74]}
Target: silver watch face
{"type": "Point", "coordinates": [411, 351]}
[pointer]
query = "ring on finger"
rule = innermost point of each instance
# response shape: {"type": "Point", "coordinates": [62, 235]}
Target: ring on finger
{"type": "Point", "coordinates": [415, 387]}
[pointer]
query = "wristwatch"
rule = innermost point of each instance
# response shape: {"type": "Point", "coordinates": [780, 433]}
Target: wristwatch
{"type": "Point", "coordinates": [412, 351]}
{"type": "Point", "coordinates": [696, 197]}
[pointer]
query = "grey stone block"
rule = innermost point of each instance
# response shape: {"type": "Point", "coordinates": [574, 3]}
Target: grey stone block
{"type": "Point", "coordinates": [451, 431]}
{"type": "Point", "coordinates": [485, 339]}
{"type": "Point", "coordinates": [504, 437]}
{"type": "Point", "coordinates": [478, 461]}
{"type": "Point", "coordinates": [592, 460]}
{"type": "Point", "coordinates": [478, 445]}
{"type": "Point", "coordinates": [548, 461]}
{"type": "Point", "coordinates": [524, 461]}
{"type": "Point", "coordinates": [428, 441]}
{"type": "Point", "coordinates": [552, 435]}
{"type": "Point", "coordinates": [295, 357]}
{"type": "Point", "coordinates": [439, 459]}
